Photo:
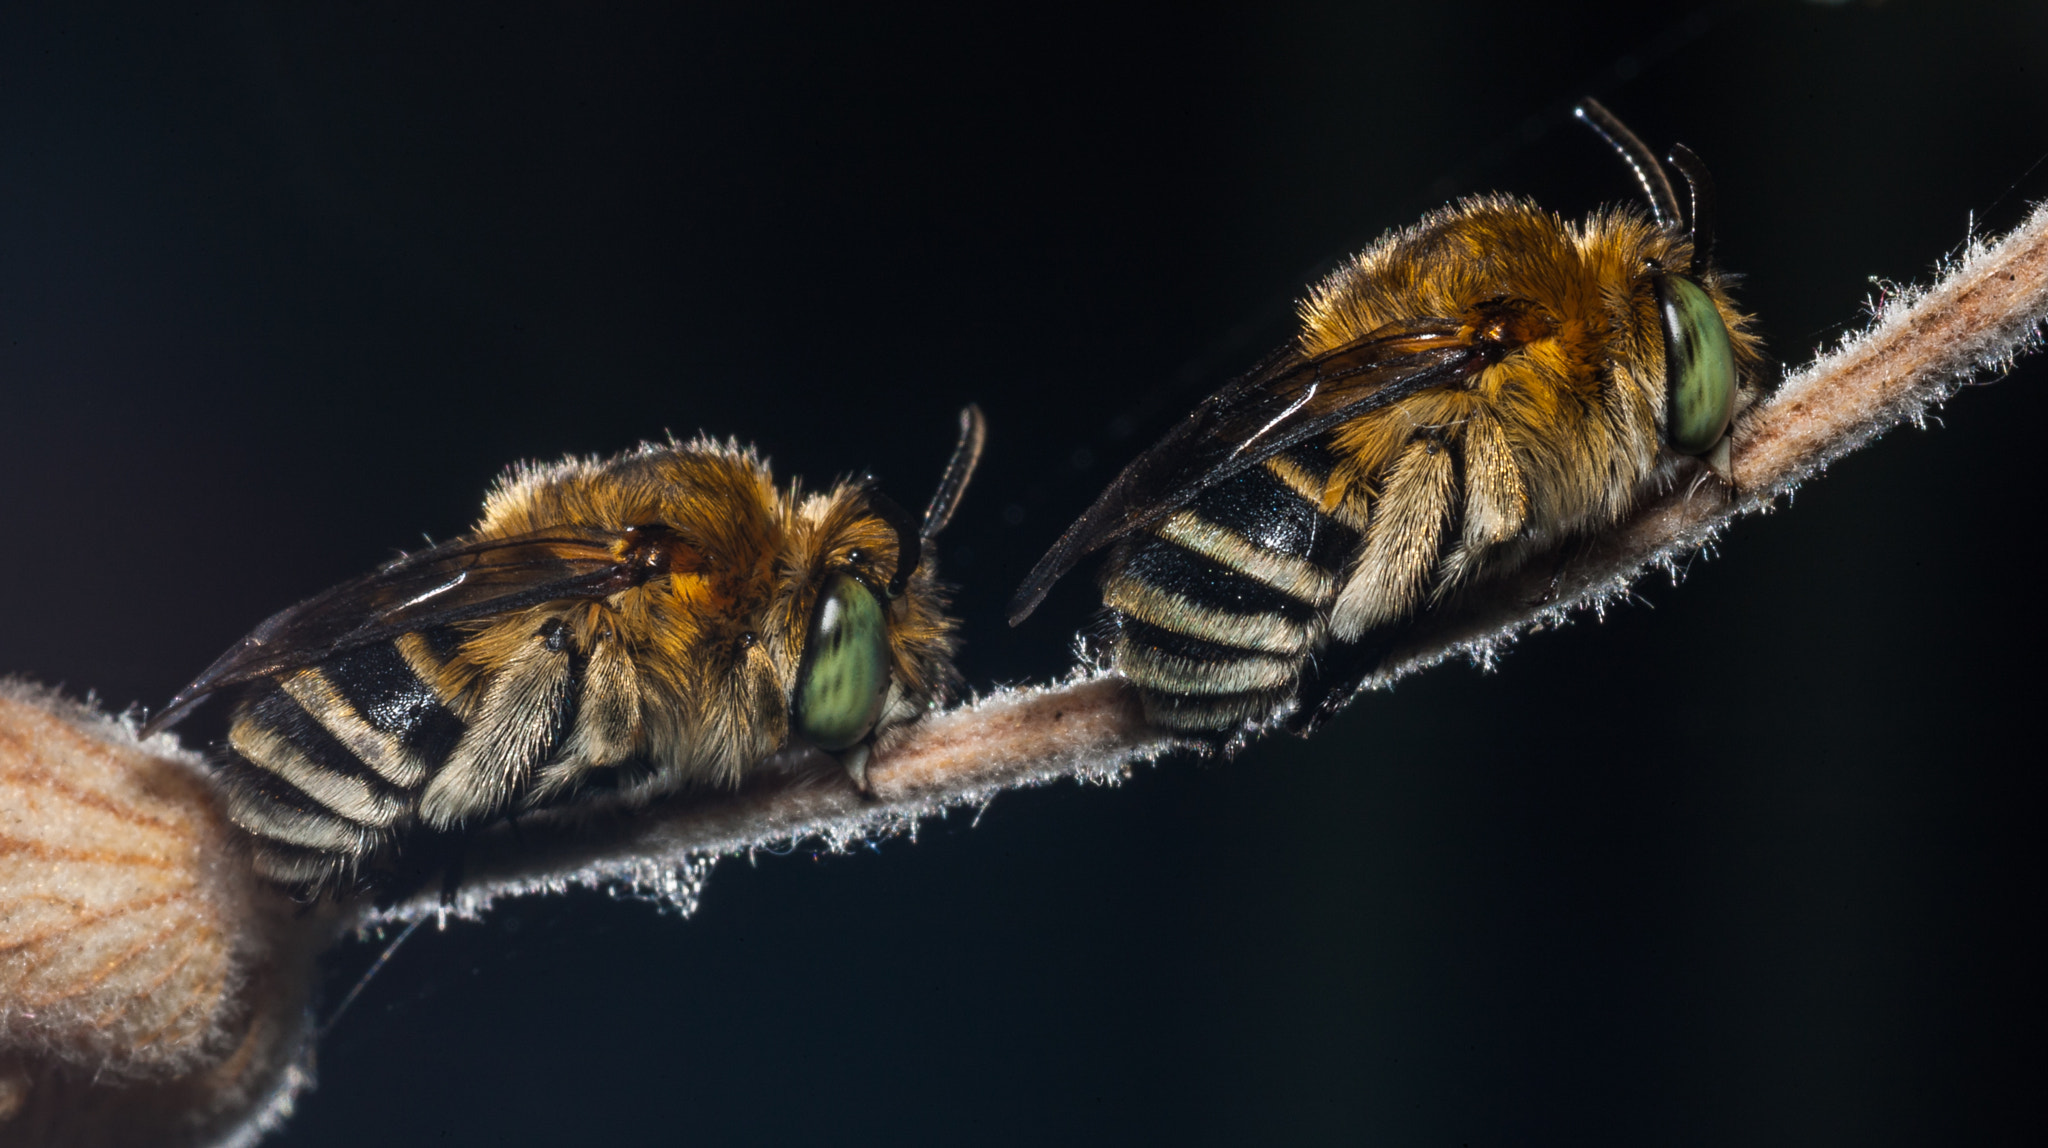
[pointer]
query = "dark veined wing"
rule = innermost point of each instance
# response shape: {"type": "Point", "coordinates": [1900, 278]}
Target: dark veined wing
{"type": "Point", "coordinates": [1274, 407]}
{"type": "Point", "coordinates": [453, 582]}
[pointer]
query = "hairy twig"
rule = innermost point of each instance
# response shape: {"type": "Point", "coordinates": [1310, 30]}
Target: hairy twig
{"type": "Point", "coordinates": [1985, 309]}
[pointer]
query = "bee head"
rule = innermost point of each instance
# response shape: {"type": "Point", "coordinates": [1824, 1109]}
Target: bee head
{"type": "Point", "coordinates": [1699, 357]}
{"type": "Point", "coordinates": [844, 681]}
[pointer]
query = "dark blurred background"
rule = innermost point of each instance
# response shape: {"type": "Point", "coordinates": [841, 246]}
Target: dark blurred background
{"type": "Point", "coordinates": [1753, 861]}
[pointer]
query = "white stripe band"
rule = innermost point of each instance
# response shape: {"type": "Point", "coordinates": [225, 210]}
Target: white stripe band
{"type": "Point", "coordinates": [1295, 577]}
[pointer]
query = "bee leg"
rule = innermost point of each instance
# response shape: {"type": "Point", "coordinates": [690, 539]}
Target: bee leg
{"type": "Point", "coordinates": [856, 762]}
{"type": "Point", "coordinates": [1311, 718]}
{"type": "Point", "coordinates": [423, 862]}
{"type": "Point", "coordinates": [1331, 680]}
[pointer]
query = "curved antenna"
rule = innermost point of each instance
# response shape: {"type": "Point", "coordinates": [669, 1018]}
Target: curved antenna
{"type": "Point", "coordinates": [908, 541]}
{"type": "Point", "coordinates": [1640, 159]}
{"type": "Point", "coordinates": [1702, 186]}
{"type": "Point", "coordinates": [966, 456]}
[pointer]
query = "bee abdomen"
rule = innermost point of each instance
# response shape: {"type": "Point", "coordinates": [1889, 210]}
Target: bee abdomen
{"type": "Point", "coordinates": [412, 730]}
{"type": "Point", "coordinates": [1217, 608]}
{"type": "Point", "coordinates": [278, 812]}
{"type": "Point", "coordinates": [1189, 683]}
{"type": "Point", "coordinates": [324, 764]}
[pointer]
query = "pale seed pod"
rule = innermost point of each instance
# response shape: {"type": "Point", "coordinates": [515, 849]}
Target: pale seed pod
{"type": "Point", "coordinates": [152, 991]}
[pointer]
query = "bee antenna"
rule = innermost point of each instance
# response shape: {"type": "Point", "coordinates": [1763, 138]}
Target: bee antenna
{"type": "Point", "coordinates": [966, 456]}
{"type": "Point", "coordinates": [1702, 187]}
{"type": "Point", "coordinates": [1640, 159]}
{"type": "Point", "coordinates": [909, 544]}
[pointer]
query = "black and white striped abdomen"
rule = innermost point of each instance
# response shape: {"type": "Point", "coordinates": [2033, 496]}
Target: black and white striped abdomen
{"type": "Point", "coordinates": [324, 766]}
{"type": "Point", "coordinates": [330, 767]}
{"type": "Point", "coordinates": [1217, 608]}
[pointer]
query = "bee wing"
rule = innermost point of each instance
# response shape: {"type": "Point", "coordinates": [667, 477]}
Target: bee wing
{"type": "Point", "coordinates": [1276, 406]}
{"type": "Point", "coordinates": [448, 583]}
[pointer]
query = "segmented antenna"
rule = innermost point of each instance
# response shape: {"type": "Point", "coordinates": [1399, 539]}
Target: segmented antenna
{"type": "Point", "coordinates": [1702, 186]}
{"type": "Point", "coordinates": [1640, 159]}
{"type": "Point", "coordinates": [966, 456]}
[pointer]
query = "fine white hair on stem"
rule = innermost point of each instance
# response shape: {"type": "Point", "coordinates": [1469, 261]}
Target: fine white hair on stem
{"type": "Point", "coordinates": [1985, 308]}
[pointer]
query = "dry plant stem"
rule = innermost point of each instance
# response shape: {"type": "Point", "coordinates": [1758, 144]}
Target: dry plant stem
{"type": "Point", "coordinates": [1090, 728]}
{"type": "Point", "coordinates": [1986, 309]}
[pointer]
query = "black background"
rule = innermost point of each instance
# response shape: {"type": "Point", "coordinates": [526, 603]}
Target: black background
{"type": "Point", "coordinates": [1755, 861]}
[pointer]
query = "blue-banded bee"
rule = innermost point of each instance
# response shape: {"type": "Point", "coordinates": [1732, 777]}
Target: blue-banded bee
{"type": "Point", "coordinates": [610, 631]}
{"type": "Point", "coordinates": [1465, 394]}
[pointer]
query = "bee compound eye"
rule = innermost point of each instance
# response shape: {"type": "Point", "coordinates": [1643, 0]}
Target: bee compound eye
{"type": "Point", "coordinates": [1699, 366]}
{"type": "Point", "coordinates": [845, 667]}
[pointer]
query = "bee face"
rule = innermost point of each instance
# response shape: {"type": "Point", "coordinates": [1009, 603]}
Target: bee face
{"type": "Point", "coordinates": [610, 631]}
{"type": "Point", "coordinates": [1467, 393]}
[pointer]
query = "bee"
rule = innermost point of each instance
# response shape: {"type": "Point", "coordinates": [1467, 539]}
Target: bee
{"type": "Point", "coordinates": [611, 631]}
{"type": "Point", "coordinates": [1465, 394]}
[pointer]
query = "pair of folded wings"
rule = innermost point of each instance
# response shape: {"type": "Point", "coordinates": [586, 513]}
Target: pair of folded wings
{"type": "Point", "coordinates": [1278, 405]}
{"type": "Point", "coordinates": [453, 582]}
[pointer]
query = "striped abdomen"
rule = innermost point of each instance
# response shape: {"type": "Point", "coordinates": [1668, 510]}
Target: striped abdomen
{"type": "Point", "coordinates": [1218, 608]}
{"type": "Point", "coordinates": [328, 767]}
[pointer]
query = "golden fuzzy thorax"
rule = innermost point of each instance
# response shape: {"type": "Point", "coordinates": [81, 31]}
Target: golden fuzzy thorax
{"type": "Point", "coordinates": [1560, 436]}
{"type": "Point", "coordinates": [698, 666]}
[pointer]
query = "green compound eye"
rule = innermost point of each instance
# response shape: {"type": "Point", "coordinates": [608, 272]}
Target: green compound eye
{"type": "Point", "coordinates": [846, 666]}
{"type": "Point", "coordinates": [1699, 367]}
